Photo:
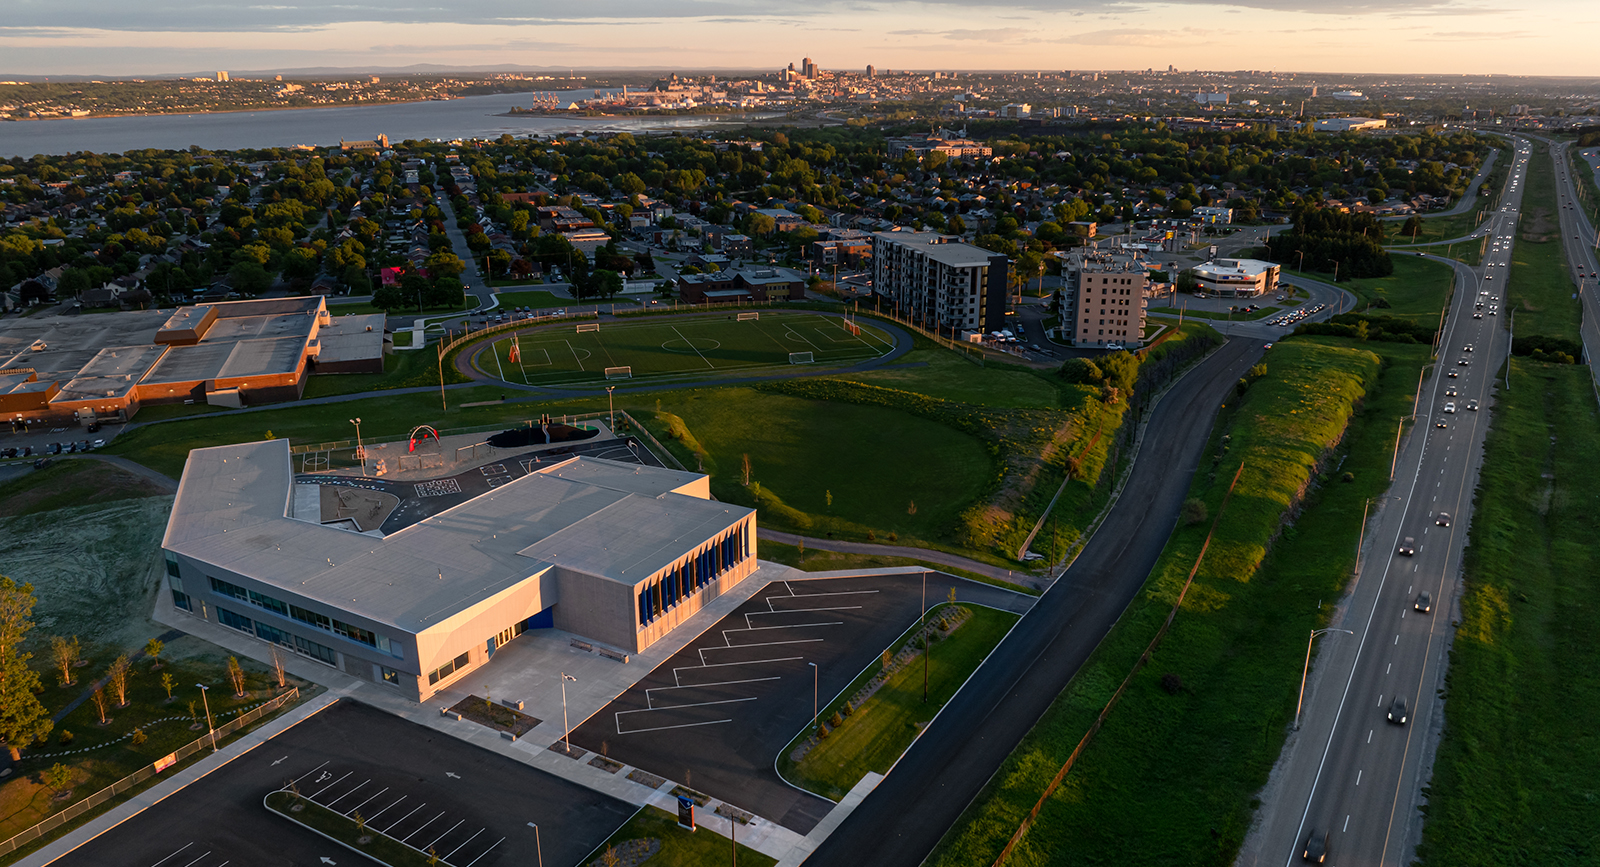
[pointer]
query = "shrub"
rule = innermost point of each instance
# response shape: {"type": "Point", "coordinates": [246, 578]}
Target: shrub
{"type": "Point", "coordinates": [64, 738]}
{"type": "Point", "coordinates": [836, 720]}
{"type": "Point", "coordinates": [1081, 371]}
{"type": "Point", "coordinates": [1194, 511]}
{"type": "Point", "coordinates": [1172, 683]}
{"type": "Point", "coordinates": [139, 737]}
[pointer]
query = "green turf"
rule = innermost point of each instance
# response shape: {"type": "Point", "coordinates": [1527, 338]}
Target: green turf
{"type": "Point", "coordinates": [679, 348]}
{"type": "Point", "coordinates": [72, 482]}
{"type": "Point", "coordinates": [1416, 290]}
{"type": "Point", "coordinates": [1541, 289]}
{"type": "Point", "coordinates": [943, 374]}
{"type": "Point", "coordinates": [679, 847]}
{"type": "Point", "coordinates": [535, 298]}
{"type": "Point", "coordinates": [877, 733]}
{"type": "Point", "coordinates": [804, 451]}
{"type": "Point", "coordinates": [1171, 777]}
{"type": "Point", "coordinates": [1514, 782]}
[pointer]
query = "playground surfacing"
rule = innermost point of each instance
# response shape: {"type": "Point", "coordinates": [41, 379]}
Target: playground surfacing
{"type": "Point", "coordinates": [675, 348]}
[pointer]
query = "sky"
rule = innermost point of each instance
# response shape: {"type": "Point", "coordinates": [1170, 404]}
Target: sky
{"type": "Point", "coordinates": [153, 37]}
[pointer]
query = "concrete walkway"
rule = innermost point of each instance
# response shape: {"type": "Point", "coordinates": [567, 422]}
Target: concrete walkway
{"type": "Point", "coordinates": [1010, 576]}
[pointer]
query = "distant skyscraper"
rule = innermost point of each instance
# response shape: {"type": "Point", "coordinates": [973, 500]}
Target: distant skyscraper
{"type": "Point", "coordinates": [808, 69]}
{"type": "Point", "coordinates": [222, 76]}
{"type": "Point", "coordinates": [871, 72]}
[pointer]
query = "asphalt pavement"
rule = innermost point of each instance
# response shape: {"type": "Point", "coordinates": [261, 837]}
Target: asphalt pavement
{"type": "Point", "coordinates": [1355, 771]}
{"type": "Point", "coordinates": [911, 809]}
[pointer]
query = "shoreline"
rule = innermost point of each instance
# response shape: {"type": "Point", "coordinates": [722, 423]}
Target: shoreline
{"type": "Point", "coordinates": [97, 116]}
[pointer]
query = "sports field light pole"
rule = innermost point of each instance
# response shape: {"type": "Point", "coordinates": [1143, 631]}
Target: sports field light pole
{"type": "Point", "coordinates": [612, 407]}
{"type": "Point", "coordinates": [203, 690]}
{"type": "Point", "coordinates": [1307, 669]}
{"type": "Point", "coordinates": [361, 453]}
{"type": "Point", "coordinates": [566, 731]}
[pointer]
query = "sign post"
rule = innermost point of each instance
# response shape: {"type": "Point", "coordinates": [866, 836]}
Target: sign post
{"type": "Point", "coordinates": [685, 812]}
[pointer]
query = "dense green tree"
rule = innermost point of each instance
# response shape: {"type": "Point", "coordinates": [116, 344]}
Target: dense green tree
{"type": "Point", "coordinates": [23, 719]}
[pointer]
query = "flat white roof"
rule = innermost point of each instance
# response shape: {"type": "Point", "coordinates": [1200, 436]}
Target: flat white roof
{"type": "Point", "coordinates": [616, 521]}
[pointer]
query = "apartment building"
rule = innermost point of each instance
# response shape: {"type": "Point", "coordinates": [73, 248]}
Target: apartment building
{"type": "Point", "coordinates": [937, 280]}
{"type": "Point", "coordinates": [1104, 299]}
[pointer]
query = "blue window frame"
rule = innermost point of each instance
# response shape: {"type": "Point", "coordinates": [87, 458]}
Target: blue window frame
{"type": "Point", "coordinates": [228, 618]}
{"type": "Point", "coordinates": [181, 600]}
{"type": "Point", "coordinates": [316, 651]}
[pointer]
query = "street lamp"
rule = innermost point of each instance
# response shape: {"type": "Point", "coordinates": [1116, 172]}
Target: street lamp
{"type": "Point", "coordinates": [612, 407]}
{"type": "Point", "coordinates": [203, 690]}
{"type": "Point", "coordinates": [538, 847]}
{"type": "Point", "coordinates": [566, 731]}
{"type": "Point", "coordinates": [361, 453]}
{"type": "Point", "coordinates": [815, 713]}
{"type": "Point", "coordinates": [1307, 669]}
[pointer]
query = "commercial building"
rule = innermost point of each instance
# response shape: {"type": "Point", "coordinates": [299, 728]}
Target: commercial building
{"type": "Point", "coordinates": [83, 369]}
{"type": "Point", "coordinates": [1349, 124]}
{"type": "Point", "coordinates": [619, 554]}
{"type": "Point", "coordinates": [937, 280]}
{"type": "Point", "coordinates": [1103, 298]}
{"type": "Point", "coordinates": [1236, 278]}
{"type": "Point", "coordinates": [1214, 215]}
{"type": "Point", "coordinates": [742, 285]}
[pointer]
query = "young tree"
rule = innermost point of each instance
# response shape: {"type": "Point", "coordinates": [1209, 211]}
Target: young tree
{"type": "Point", "coordinates": [22, 718]}
{"type": "Point", "coordinates": [57, 777]}
{"type": "Point", "coordinates": [100, 704]}
{"type": "Point", "coordinates": [277, 667]}
{"type": "Point", "coordinates": [152, 649]}
{"type": "Point", "coordinates": [167, 683]}
{"type": "Point", "coordinates": [64, 654]}
{"type": "Point", "coordinates": [117, 679]}
{"type": "Point", "coordinates": [236, 676]}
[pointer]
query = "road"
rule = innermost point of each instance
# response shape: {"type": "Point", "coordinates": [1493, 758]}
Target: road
{"type": "Point", "coordinates": [1467, 200]}
{"type": "Point", "coordinates": [903, 818]}
{"type": "Point", "coordinates": [1579, 242]}
{"type": "Point", "coordinates": [1349, 772]}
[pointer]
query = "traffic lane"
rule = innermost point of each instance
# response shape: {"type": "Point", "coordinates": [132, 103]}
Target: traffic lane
{"type": "Point", "coordinates": [901, 821]}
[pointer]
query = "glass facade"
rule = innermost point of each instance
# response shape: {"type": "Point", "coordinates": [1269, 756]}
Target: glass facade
{"type": "Point", "coordinates": [661, 594]}
{"type": "Point", "coordinates": [449, 668]}
{"type": "Point", "coordinates": [310, 618]}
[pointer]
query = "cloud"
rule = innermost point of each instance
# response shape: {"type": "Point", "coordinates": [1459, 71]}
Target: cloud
{"type": "Point", "coordinates": [1479, 35]}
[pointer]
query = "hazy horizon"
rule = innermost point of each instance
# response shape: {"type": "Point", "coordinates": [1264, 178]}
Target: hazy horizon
{"type": "Point", "coordinates": [1543, 38]}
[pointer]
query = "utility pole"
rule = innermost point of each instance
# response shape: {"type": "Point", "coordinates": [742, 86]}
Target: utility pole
{"type": "Point", "coordinates": [927, 646]}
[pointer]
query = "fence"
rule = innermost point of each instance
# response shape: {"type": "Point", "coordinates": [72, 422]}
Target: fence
{"type": "Point", "coordinates": [468, 335]}
{"type": "Point", "coordinates": [131, 781]}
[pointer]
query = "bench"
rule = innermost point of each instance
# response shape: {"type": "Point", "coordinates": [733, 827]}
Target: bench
{"type": "Point", "coordinates": [614, 654]}
{"type": "Point", "coordinates": [583, 645]}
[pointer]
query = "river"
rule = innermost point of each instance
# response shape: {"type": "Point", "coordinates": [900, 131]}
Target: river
{"type": "Point", "coordinates": [468, 117]}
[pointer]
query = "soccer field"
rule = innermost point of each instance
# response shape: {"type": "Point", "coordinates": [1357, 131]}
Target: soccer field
{"type": "Point", "coordinates": [677, 348]}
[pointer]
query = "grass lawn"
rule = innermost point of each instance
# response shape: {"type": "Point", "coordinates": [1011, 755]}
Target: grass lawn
{"type": "Point", "coordinates": [111, 753]}
{"type": "Point", "coordinates": [680, 348]}
{"type": "Point", "coordinates": [1416, 290]}
{"type": "Point", "coordinates": [357, 307]}
{"type": "Point", "coordinates": [831, 561]}
{"type": "Point", "coordinates": [400, 370]}
{"type": "Point", "coordinates": [1540, 294]}
{"type": "Point", "coordinates": [1514, 781]}
{"type": "Point", "coordinates": [72, 482]}
{"type": "Point", "coordinates": [1219, 315]}
{"type": "Point", "coordinates": [875, 736]}
{"type": "Point", "coordinates": [1440, 228]}
{"type": "Point", "coordinates": [379, 847]}
{"type": "Point", "coordinates": [803, 452]}
{"type": "Point", "coordinates": [946, 375]}
{"type": "Point", "coordinates": [1171, 777]}
{"type": "Point", "coordinates": [536, 298]}
{"type": "Point", "coordinates": [679, 848]}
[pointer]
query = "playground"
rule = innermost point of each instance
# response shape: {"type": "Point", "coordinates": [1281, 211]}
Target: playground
{"type": "Point", "coordinates": [593, 353]}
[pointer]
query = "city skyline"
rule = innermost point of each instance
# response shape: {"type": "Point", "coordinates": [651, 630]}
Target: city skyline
{"type": "Point", "coordinates": [1441, 37]}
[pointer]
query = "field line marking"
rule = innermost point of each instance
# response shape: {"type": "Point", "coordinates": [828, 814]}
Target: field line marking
{"type": "Point", "coordinates": [495, 351]}
{"type": "Point", "coordinates": [692, 346]}
{"type": "Point", "coordinates": [575, 357]}
{"type": "Point", "coordinates": [802, 338]}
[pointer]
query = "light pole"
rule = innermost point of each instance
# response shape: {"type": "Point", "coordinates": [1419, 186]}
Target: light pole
{"type": "Point", "coordinates": [612, 407]}
{"type": "Point", "coordinates": [1304, 671]}
{"type": "Point", "coordinates": [925, 645]}
{"type": "Point", "coordinates": [361, 453]}
{"type": "Point", "coordinates": [538, 847]}
{"type": "Point", "coordinates": [1361, 537]}
{"type": "Point", "coordinates": [203, 690]}
{"type": "Point", "coordinates": [566, 732]}
{"type": "Point", "coordinates": [815, 712]}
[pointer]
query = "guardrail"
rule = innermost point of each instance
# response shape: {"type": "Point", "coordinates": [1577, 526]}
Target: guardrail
{"type": "Point", "coordinates": [148, 771]}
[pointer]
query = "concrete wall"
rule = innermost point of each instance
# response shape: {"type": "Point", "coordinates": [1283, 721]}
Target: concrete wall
{"type": "Point", "coordinates": [469, 631]}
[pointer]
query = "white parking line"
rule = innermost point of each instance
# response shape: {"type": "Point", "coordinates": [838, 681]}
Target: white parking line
{"type": "Point", "coordinates": [369, 800]}
{"type": "Point", "coordinates": [173, 855]}
{"type": "Point", "coordinates": [331, 785]}
{"type": "Point", "coordinates": [649, 690]}
{"type": "Point", "coordinates": [423, 825]}
{"type": "Point", "coordinates": [445, 834]}
{"type": "Point", "coordinates": [347, 794]}
{"type": "Point", "coordinates": [386, 809]}
{"type": "Point", "coordinates": [486, 851]}
{"type": "Point", "coordinates": [463, 843]}
{"type": "Point", "coordinates": [405, 817]}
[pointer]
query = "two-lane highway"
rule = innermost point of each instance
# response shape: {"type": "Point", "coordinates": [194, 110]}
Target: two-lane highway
{"type": "Point", "coordinates": [1352, 776]}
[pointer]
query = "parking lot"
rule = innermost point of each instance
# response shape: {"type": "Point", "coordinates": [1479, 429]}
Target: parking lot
{"type": "Point", "coordinates": [716, 714]}
{"type": "Point", "coordinates": [472, 807]}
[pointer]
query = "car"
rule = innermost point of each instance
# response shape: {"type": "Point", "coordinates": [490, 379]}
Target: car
{"type": "Point", "coordinates": [53, 449]}
{"type": "Point", "coordinates": [1472, 405]}
{"type": "Point", "coordinates": [1450, 392]}
{"type": "Point", "coordinates": [1268, 346]}
{"type": "Point", "coordinates": [1449, 406]}
{"type": "Point", "coordinates": [1397, 711]}
{"type": "Point", "coordinates": [1113, 347]}
{"type": "Point", "coordinates": [1424, 602]}
{"type": "Point", "coordinates": [1316, 848]}
{"type": "Point", "coordinates": [99, 444]}
{"type": "Point", "coordinates": [1408, 547]}
{"type": "Point", "coordinates": [1467, 348]}
{"type": "Point", "coordinates": [27, 451]}
{"type": "Point", "coordinates": [1440, 423]}
{"type": "Point", "coordinates": [10, 453]}
{"type": "Point", "coordinates": [1462, 362]}
{"type": "Point", "coordinates": [94, 427]}
{"type": "Point", "coordinates": [1452, 374]}
{"type": "Point", "coordinates": [1443, 520]}
{"type": "Point", "coordinates": [1477, 316]}
{"type": "Point", "coordinates": [1491, 311]}
{"type": "Point", "coordinates": [41, 463]}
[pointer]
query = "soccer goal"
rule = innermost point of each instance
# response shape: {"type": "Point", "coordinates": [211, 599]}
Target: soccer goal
{"type": "Point", "coordinates": [852, 328]}
{"type": "Point", "coordinates": [588, 326]}
{"type": "Point", "coordinates": [619, 373]}
{"type": "Point", "coordinates": [800, 358]}
{"type": "Point", "coordinates": [749, 317]}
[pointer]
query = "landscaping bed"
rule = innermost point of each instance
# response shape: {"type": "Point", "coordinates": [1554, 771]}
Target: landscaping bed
{"type": "Point", "coordinates": [496, 716]}
{"type": "Point", "coordinates": [678, 847]}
